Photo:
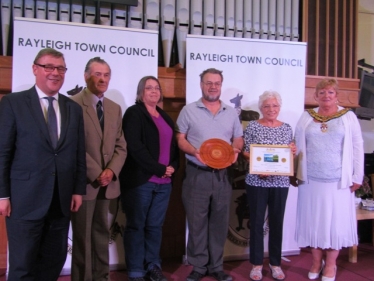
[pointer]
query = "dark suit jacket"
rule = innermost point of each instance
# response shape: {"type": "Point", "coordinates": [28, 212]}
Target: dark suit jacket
{"type": "Point", "coordinates": [29, 164]}
{"type": "Point", "coordinates": [143, 147]}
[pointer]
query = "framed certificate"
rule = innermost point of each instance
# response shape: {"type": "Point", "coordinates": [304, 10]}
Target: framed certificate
{"type": "Point", "coordinates": [271, 160]}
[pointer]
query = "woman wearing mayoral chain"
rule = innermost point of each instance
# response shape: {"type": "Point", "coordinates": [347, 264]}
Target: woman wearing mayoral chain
{"type": "Point", "coordinates": [329, 168]}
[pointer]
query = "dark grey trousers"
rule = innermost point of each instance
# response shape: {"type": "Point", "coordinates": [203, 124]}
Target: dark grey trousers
{"type": "Point", "coordinates": [206, 198]}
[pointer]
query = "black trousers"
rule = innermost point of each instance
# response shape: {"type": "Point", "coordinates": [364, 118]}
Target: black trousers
{"type": "Point", "coordinates": [258, 199]}
{"type": "Point", "coordinates": [38, 248]}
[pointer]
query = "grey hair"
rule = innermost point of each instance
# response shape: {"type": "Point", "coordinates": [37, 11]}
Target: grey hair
{"type": "Point", "coordinates": [98, 60]}
{"type": "Point", "coordinates": [269, 95]}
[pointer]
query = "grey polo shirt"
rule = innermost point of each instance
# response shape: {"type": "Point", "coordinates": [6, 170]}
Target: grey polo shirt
{"type": "Point", "coordinates": [199, 125]}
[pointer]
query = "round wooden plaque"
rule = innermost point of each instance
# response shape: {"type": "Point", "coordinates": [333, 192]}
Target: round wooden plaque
{"type": "Point", "coordinates": [217, 153]}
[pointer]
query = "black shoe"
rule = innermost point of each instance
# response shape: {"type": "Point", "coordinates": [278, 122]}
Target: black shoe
{"type": "Point", "coordinates": [194, 276]}
{"type": "Point", "coordinates": [155, 274]}
{"type": "Point", "coordinates": [221, 276]}
{"type": "Point", "coordinates": [136, 279]}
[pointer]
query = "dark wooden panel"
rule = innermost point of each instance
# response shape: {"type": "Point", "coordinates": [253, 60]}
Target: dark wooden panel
{"type": "Point", "coordinates": [330, 28]}
{"type": "Point", "coordinates": [3, 244]}
{"type": "Point", "coordinates": [5, 74]}
{"type": "Point", "coordinates": [173, 237]}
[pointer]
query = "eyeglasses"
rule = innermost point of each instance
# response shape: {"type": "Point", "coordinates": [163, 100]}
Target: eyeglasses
{"type": "Point", "coordinates": [51, 68]}
{"type": "Point", "coordinates": [150, 88]}
{"type": "Point", "coordinates": [210, 84]}
{"type": "Point", "coordinates": [270, 106]}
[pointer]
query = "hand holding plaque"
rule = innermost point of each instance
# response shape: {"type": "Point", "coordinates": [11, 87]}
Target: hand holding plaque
{"type": "Point", "coordinates": [217, 153]}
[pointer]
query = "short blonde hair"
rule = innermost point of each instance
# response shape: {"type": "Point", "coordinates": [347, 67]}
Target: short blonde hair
{"type": "Point", "coordinates": [327, 82]}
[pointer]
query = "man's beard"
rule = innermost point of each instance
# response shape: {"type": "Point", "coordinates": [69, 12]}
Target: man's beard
{"type": "Point", "coordinates": [211, 98]}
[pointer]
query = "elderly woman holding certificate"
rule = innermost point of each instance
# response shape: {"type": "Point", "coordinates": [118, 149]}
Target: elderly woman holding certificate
{"type": "Point", "coordinates": [267, 190]}
{"type": "Point", "coordinates": [330, 168]}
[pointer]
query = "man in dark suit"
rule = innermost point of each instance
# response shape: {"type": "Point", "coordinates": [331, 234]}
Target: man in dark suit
{"type": "Point", "coordinates": [43, 170]}
{"type": "Point", "coordinates": [106, 154]}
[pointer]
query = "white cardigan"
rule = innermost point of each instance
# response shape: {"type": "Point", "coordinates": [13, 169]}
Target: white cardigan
{"type": "Point", "coordinates": [353, 149]}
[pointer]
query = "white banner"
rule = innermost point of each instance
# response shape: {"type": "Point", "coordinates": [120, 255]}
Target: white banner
{"type": "Point", "coordinates": [131, 54]}
{"type": "Point", "coordinates": [251, 67]}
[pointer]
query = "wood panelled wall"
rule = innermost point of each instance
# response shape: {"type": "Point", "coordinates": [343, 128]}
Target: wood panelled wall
{"type": "Point", "coordinates": [330, 28]}
{"type": "Point", "coordinates": [3, 244]}
{"type": "Point", "coordinates": [5, 75]}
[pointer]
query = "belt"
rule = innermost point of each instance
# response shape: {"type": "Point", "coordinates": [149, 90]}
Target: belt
{"type": "Point", "coordinates": [203, 168]}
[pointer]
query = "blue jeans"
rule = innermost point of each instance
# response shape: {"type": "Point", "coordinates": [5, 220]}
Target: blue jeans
{"type": "Point", "coordinates": [145, 208]}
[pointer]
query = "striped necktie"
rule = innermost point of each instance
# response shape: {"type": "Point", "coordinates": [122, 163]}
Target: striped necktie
{"type": "Point", "coordinates": [100, 114]}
